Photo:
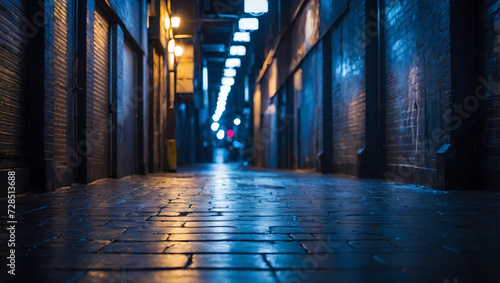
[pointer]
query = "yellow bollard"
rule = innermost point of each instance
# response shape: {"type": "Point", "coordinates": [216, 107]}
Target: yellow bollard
{"type": "Point", "coordinates": [172, 155]}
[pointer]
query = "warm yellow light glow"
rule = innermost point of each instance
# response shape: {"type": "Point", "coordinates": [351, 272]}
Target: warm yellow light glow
{"type": "Point", "coordinates": [171, 46]}
{"type": "Point", "coordinates": [176, 22]}
{"type": "Point", "coordinates": [167, 23]}
{"type": "Point", "coordinates": [171, 61]}
{"type": "Point", "coordinates": [178, 51]}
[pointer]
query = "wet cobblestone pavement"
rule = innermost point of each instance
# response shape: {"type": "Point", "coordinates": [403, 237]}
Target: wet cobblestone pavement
{"type": "Point", "coordinates": [218, 223]}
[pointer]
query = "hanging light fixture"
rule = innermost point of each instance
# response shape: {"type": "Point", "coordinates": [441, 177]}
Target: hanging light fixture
{"type": "Point", "coordinates": [238, 50]}
{"type": "Point", "coordinates": [248, 24]}
{"type": "Point", "coordinates": [233, 63]}
{"type": "Point", "coordinates": [256, 6]}
{"type": "Point", "coordinates": [176, 22]}
{"type": "Point", "coordinates": [241, 36]}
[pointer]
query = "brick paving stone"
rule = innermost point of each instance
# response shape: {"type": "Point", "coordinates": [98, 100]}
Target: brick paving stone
{"type": "Point", "coordinates": [180, 276]}
{"type": "Point", "coordinates": [229, 261]}
{"type": "Point", "coordinates": [219, 223]}
{"type": "Point", "coordinates": [229, 237]}
{"type": "Point", "coordinates": [323, 261]}
{"type": "Point", "coordinates": [234, 247]}
{"type": "Point", "coordinates": [135, 247]}
{"type": "Point", "coordinates": [142, 237]}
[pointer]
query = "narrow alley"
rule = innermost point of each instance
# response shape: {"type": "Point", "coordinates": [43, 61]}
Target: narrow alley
{"type": "Point", "coordinates": [220, 223]}
{"type": "Point", "coordinates": [250, 141]}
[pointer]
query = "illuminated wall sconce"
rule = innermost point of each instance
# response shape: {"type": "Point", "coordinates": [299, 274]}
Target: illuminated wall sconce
{"type": "Point", "coordinates": [241, 36]}
{"type": "Point", "coordinates": [228, 81]}
{"type": "Point", "coordinates": [231, 73]}
{"type": "Point", "coordinates": [248, 24]}
{"type": "Point", "coordinates": [176, 22]}
{"type": "Point", "coordinates": [178, 51]}
{"type": "Point", "coordinates": [238, 50]}
{"type": "Point", "coordinates": [171, 46]}
{"type": "Point", "coordinates": [256, 6]}
{"type": "Point", "coordinates": [233, 63]}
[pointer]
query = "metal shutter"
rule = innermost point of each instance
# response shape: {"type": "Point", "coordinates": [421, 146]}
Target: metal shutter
{"type": "Point", "coordinates": [13, 82]}
{"type": "Point", "coordinates": [61, 80]}
{"type": "Point", "coordinates": [101, 119]}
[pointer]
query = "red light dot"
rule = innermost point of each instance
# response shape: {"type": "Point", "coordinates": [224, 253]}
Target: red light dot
{"type": "Point", "coordinates": [230, 133]}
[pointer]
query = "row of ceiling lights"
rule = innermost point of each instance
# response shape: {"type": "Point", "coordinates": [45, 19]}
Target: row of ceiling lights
{"type": "Point", "coordinates": [245, 25]}
{"type": "Point", "coordinates": [173, 22]}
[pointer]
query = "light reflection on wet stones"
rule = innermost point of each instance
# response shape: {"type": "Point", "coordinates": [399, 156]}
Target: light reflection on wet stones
{"type": "Point", "coordinates": [218, 222]}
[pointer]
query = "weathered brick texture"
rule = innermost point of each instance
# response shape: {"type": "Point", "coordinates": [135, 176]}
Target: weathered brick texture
{"type": "Point", "coordinates": [417, 90]}
{"type": "Point", "coordinates": [63, 85]}
{"type": "Point", "coordinates": [129, 13]}
{"type": "Point", "coordinates": [419, 59]}
{"type": "Point", "coordinates": [348, 88]}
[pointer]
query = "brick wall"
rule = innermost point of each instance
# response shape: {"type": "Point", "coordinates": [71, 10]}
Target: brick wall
{"type": "Point", "coordinates": [48, 89]}
{"type": "Point", "coordinates": [348, 88]}
{"type": "Point", "coordinates": [487, 83]}
{"type": "Point", "coordinates": [13, 80]}
{"type": "Point", "coordinates": [129, 13]}
{"type": "Point", "coordinates": [417, 53]}
{"type": "Point", "coordinates": [400, 81]}
{"type": "Point", "coordinates": [13, 93]}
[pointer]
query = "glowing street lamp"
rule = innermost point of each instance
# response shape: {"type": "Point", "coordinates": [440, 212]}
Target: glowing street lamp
{"type": "Point", "coordinates": [248, 24]}
{"type": "Point", "coordinates": [233, 63]}
{"type": "Point", "coordinates": [256, 6]}
{"type": "Point", "coordinates": [171, 46]}
{"type": "Point", "coordinates": [176, 22]}
{"type": "Point", "coordinates": [241, 36]}
{"type": "Point", "coordinates": [238, 50]}
{"type": "Point", "coordinates": [178, 51]}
